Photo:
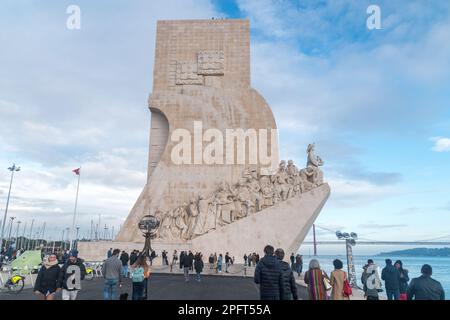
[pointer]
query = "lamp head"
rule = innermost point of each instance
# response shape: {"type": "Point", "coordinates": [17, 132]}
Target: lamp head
{"type": "Point", "coordinates": [354, 235]}
{"type": "Point", "coordinates": [339, 235]}
{"type": "Point", "coordinates": [148, 224]}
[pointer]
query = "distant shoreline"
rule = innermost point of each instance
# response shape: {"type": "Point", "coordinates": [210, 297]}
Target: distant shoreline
{"type": "Point", "coordinates": [419, 252]}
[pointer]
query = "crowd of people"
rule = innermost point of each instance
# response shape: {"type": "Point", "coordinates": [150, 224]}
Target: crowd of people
{"type": "Point", "coordinates": [63, 271]}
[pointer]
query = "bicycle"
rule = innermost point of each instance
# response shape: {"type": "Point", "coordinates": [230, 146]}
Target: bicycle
{"type": "Point", "coordinates": [89, 272]}
{"type": "Point", "coordinates": [14, 284]}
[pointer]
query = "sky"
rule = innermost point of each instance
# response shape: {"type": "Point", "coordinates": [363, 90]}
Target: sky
{"type": "Point", "coordinates": [375, 102]}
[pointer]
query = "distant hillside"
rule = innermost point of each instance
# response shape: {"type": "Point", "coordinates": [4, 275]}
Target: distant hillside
{"type": "Point", "coordinates": [423, 252]}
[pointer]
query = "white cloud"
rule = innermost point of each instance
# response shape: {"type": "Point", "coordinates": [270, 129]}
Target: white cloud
{"type": "Point", "coordinates": [441, 144]}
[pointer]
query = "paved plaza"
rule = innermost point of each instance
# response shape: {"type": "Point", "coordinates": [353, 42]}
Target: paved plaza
{"type": "Point", "coordinates": [172, 287]}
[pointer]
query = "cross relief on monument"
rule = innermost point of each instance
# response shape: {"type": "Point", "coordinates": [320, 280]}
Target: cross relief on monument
{"type": "Point", "coordinates": [209, 63]}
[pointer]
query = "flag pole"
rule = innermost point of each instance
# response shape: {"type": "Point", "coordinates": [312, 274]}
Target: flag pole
{"type": "Point", "coordinates": [75, 211]}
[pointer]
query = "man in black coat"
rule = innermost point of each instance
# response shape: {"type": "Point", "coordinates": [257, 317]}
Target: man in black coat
{"type": "Point", "coordinates": [191, 256]}
{"type": "Point", "coordinates": [424, 287]}
{"type": "Point", "coordinates": [269, 276]}
{"type": "Point", "coordinates": [391, 277]}
{"type": "Point", "coordinates": [187, 265]}
{"type": "Point", "coordinates": [133, 257]}
{"type": "Point", "coordinates": [289, 285]}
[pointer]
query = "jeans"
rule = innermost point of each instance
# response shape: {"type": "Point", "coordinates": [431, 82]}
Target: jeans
{"type": "Point", "coordinates": [125, 271]}
{"type": "Point", "coordinates": [219, 268]}
{"type": "Point", "coordinates": [393, 294]}
{"type": "Point", "coordinates": [198, 276]}
{"type": "Point", "coordinates": [110, 289]}
{"type": "Point", "coordinates": [186, 273]}
{"type": "Point", "coordinates": [299, 269]}
{"type": "Point", "coordinates": [138, 290]}
{"type": "Point", "coordinates": [145, 284]}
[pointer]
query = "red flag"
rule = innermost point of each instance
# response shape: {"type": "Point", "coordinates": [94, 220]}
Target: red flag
{"type": "Point", "coordinates": [76, 171]}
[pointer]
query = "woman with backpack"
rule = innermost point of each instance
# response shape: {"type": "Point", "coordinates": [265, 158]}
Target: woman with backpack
{"type": "Point", "coordinates": [138, 276]}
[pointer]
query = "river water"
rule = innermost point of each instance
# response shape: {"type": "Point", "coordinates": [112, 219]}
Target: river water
{"type": "Point", "coordinates": [440, 265]}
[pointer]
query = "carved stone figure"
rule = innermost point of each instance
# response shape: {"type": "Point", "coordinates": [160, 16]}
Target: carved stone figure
{"type": "Point", "coordinates": [312, 165]}
{"type": "Point", "coordinates": [281, 183]}
{"type": "Point", "coordinates": [243, 200]}
{"type": "Point", "coordinates": [251, 194]}
{"type": "Point", "coordinates": [225, 204]}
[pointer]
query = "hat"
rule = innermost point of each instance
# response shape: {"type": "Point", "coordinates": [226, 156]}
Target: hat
{"type": "Point", "coordinates": [73, 253]}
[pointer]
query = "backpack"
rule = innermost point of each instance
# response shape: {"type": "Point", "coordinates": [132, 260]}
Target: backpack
{"type": "Point", "coordinates": [138, 275]}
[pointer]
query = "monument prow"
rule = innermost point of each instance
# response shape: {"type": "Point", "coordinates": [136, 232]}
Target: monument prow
{"type": "Point", "coordinates": [215, 182]}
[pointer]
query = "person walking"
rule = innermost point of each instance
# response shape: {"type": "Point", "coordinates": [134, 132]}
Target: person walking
{"type": "Point", "coordinates": [211, 261]}
{"type": "Point", "coordinates": [424, 287]}
{"type": "Point", "coordinates": [315, 279]}
{"type": "Point", "coordinates": [371, 281]}
{"type": "Point", "coordinates": [245, 259]}
{"type": "Point", "coordinates": [47, 281]}
{"type": "Point", "coordinates": [133, 257]}
{"type": "Point", "coordinates": [391, 277]}
{"type": "Point", "coordinates": [298, 265]}
{"type": "Point", "coordinates": [198, 265]}
{"type": "Point", "coordinates": [152, 257]}
{"type": "Point", "coordinates": [109, 254]}
{"type": "Point", "coordinates": [337, 280]}
{"type": "Point", "coordinates": [191, 256]}
{"type": "Point", "coordinates": [269, 276]}
{"type": "Point", "coordinates": [404, 278]}
{"type": "Point", "coordinates": [289, 285]}
{"type": "Point", "coordinates": [68, 276]}
{"type": "Point", "coordinates": [182, 254]}
{"type": "Point", "coordinates": [292, 259]}
{"type": "Point", "coordinates": [227, 261]}
{"type": "Point", "coordinates": [219, 263]}
{"type": "Point", "coordinates": [124, 258]}
{"type": "Point", "coordinates": [139, 270]}
{"type": "Point", "coordinates": [174, 260]}
{"type": "Point", "coordinates": [112, 273]}
{"type": "Point", "coordinates": [187, 265]}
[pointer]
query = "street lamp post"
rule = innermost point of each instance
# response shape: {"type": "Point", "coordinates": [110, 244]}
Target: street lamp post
{"type": "Point", "coordinates": [17, 235]}
{"type": "Point", "coordinates": [31, 234]}
{"type": "Point", "coordinates": [149, 226]}
{"type": "Point", "coordinates": [13, 169]}
{"type": "Point", "coordinates": [350, 241]}
{"type": "Point", "coordinates": [10, 229]}
{"type": "Point", "coordinates": [76, 238]}
{"type": "Point", "coordinates": [22, 242]}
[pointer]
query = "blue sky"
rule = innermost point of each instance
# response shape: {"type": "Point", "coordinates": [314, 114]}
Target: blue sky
{"type": "Point", "coordinates": [375, 102]}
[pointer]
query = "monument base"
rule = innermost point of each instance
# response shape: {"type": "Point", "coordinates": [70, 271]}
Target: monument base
{"type": "Point", "coordinates": [283, 225]}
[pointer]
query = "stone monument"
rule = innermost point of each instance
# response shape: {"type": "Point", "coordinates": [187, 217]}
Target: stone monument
{"type": "Point", "coordinates": [215, 181]}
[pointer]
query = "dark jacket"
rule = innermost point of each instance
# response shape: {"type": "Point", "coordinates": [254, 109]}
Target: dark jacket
{"type": "Point", "coordinates": [391, 277]}
{"type": "Point", "coordinates": [404, 278]}
{"type": "Point", "coordinates": [187, 261]}
{"type": "Point", "coordinates": [269, 276]}
{"type": "Point", "coordinates": [47, 279]}
{"type": "Point", "coordinates": [133, 258]}
{"type": "Point", "coordinates": [198, 265]}
{"type": "Point", "coordinates": [425, 288]}
{"type": "Point", "coordinates": [65, 272]}
{"type": "Point", "coordinates": [124, 258]}
{"type": "Point", "coordinates": [289, 285]}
